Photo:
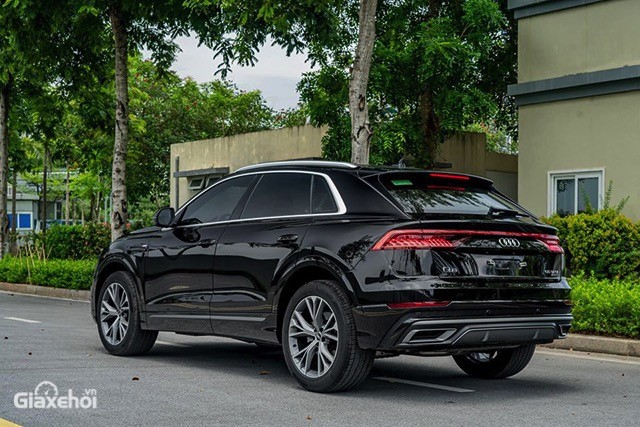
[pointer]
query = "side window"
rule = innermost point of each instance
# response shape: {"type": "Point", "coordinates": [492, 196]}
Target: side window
{"type": "Point", "coordinates": [217, 203]}
{"type": "Point", "coordinates": [280, 194]}
{"type": "Point", "coordinates": [321, 197]}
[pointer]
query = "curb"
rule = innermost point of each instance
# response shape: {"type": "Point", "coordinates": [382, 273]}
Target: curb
{"type": "Point", "coordinates": [45, 291]}
{"type": "Point", "coordinates": [598, 344]}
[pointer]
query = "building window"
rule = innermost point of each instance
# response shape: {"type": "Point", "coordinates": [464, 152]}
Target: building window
{"type": "Point", "coordinates": [573, 192]}
{"type": "Point", "coordinates": [24, 221]}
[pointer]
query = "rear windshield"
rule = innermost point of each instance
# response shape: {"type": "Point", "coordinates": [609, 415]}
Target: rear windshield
{"type": "Point", "coordinates": [421, 194]}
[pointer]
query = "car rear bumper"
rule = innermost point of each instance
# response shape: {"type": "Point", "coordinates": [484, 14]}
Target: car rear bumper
{"type": "Point", "coordinates": [448, 333]}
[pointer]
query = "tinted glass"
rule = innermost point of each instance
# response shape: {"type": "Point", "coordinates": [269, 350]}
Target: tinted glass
{"type": "Point", "coordinates": [280, 194]}
{"type": "Point", "coordinates": [565, 196]}
{"type": "Point", "coordinates": [322, 198]}
{"type": "Point", "coordinates": [417, 194]}
{"type": "Point", "coordinates": [217, 203]}
{"type": "Point", "coordinates": [587, 194]}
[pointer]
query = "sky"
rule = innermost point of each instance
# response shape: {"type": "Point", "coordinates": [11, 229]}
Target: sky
{"type": "Point", "coordinates": [275, 74]}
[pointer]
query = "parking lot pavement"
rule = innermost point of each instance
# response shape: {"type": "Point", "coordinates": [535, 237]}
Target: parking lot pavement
{"type": "Point", "coordinates": [213, 381]}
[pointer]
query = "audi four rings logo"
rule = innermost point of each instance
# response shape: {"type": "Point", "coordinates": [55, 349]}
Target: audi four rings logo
{"type": "Point", "coordinates": [508, 242]}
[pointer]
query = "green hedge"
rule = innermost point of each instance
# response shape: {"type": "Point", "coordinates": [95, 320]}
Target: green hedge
{"type": "Point", "coordinates": [57, 273]}
{"type": "Point", "coordinates": [608, 307]}
{"type": "Point", "coordinates": [605, 244]}
{"type": "Point", "coordinates": [67, 242]}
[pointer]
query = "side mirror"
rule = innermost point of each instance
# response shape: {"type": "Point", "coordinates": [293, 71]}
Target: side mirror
{"type": "Point", "coordinates": [164, 217]}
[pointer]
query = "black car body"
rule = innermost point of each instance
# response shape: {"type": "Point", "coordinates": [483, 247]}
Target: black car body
{"type": "Point", "coordinates": [432, 263]}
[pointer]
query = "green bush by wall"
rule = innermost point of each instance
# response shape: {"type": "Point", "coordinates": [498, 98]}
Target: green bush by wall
{"type": "Point", "coordinates": [604, 243]}
{"type": "Point", "coordinates": [70, 241]}
{"type": "Point", "coordinates": [609, 307]}
{"type": "Point", "coordinates": [57, 273]}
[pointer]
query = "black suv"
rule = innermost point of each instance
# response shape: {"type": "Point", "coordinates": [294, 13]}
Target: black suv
{"type": "Point", "coordinates": [339, 264]}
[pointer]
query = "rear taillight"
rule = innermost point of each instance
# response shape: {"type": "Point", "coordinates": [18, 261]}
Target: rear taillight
{"type": "Point", "coordinates": [418, 304]}
{"type": "Point", "coordinates": [412, 239]}
{"type": "Point", "coordinates": [552, 243]}
{"type": "Point", "coordinates": [445, 239]}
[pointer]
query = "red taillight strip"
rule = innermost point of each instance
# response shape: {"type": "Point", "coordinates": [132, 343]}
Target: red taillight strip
{"type": "Point", "coordinates": [450, 176]}
{"type": "Point", "coordinates": [422, 239]}
{"type": "Point", "coordinates": [418, 304]}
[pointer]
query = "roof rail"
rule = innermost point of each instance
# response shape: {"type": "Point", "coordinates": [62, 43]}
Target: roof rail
{"type": "Point", "coordinates": [294, 163]}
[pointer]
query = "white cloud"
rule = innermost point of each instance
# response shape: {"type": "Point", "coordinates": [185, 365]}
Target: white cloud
{"type": "Point", "coordinates": [275, 74]}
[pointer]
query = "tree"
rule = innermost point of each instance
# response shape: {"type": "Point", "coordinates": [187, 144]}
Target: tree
{"type": "Point", "coordinates": [361, 132]}
{"type": "Point", "coordinates": [166, 109]}
{"type": "Point", "coordinates": [437, 68]}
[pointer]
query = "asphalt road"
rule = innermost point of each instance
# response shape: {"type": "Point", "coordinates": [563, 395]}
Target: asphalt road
{"type": "Point", "coordinates": [213, 381]}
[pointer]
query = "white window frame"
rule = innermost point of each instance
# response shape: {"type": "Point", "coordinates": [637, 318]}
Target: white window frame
{"type": "Point", "coordinates": [554, 176]}
{"type": "Point", "coordinates": [18, 223]}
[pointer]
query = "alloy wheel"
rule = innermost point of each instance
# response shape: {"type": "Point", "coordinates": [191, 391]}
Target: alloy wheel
{"type": "Point", "coordinates": [313, 336]}
{"type": "Point", "coordinates": [482, 357]}
{"type": "Point", "coordinates": [114, 313]}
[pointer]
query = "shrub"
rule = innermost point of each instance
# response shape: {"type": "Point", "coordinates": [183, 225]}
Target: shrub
{"type": "Point", "coordinates": [605, 243]}
{"type": "Point", "coordinates": [70, 241]}
{"type": "Point", "coordinates": [70, 274]}
{"type": "Point", "coordinates": [610, 307]}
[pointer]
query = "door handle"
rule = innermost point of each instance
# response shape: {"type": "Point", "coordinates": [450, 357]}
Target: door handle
{"type": "Point", "coordinates": [205, 243]}
{"type": "Point", "coordinates": [137, 249]}
{"type": "Point", "coordinates": [288, 238]}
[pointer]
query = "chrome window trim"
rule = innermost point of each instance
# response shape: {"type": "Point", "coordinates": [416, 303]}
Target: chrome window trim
{"type": "Point", "coordinates": [342, 208]}
{"type": "Point", "coordinates": [298, 163]}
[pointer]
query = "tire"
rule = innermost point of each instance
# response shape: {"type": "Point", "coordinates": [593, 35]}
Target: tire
{"type": "Point", "coordinates": [496, 364]}
{"type": "Point", "coordinates": [350, 365]}
{"type": "Point", "coordinates": [129, 341]}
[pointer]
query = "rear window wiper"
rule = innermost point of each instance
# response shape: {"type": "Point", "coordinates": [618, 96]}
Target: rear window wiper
{"type": "Point", "coordinates": [493, 211]}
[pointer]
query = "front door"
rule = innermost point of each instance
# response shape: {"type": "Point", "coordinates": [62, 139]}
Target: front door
{"type": "Point", "coordinates": [178, 278]}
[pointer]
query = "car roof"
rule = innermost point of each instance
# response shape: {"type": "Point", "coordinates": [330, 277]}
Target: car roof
{"type": "Point", "coordinates": [326, 165]}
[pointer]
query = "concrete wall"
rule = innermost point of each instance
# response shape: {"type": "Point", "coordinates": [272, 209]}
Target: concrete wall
{"type": "Point", "coordinates": [598, 36]}
{"type": "Point", "coordinates": [241, 150]}
{"type": "Point", "coordinates": [468, 153]}
{"type": "Point", "coordinates": [588, 132]}
{"type": "Point", "coordinates": [591, 133]}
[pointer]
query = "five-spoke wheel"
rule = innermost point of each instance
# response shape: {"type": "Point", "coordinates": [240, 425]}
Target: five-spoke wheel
{"type": "Point", "coordinates": [319, 339]}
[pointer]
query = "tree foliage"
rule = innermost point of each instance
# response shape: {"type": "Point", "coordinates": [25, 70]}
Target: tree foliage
{"type": "Point", "coordinates": [438, 68]}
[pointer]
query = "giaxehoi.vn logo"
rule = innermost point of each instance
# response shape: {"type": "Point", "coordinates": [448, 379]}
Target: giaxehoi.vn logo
{"type": "Point", "coordinates": [47, 396]}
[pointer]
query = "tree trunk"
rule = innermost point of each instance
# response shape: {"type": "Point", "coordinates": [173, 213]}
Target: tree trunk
{"type": "Point", "coordinates": [361, 132]}
{"type": "Point", "coordinates": [66, 197]}
{"type": "Point", "coordinates": [430, 126]}
{"type": "Point", "coordinates": [44, 189]}
{"type": "Point", "coordinates": [118, 171]}
{"type": "Point", "coordinates": [4, 163]}
{"type": "Point", "coordinates": [14, 213]}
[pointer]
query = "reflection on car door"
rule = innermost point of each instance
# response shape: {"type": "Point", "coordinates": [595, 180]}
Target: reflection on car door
{"type": "Point", "coordinates": [178, 280]}
{"type": "Point", "coordinates": [266, 237]}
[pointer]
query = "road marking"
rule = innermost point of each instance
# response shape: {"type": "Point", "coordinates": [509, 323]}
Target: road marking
{"type": "Point", "coordinates": [173, 344]}
{"type": "Point", "coordinates": [19, 319]}
{"type": "Point", "coordinates": [586, 356]}
{"type": "Point", "coordinates": [7, 423]}
{"type": "Point", "coordinates": [429, 385]}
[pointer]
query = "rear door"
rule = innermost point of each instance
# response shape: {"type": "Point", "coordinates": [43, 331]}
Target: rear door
{"type": "Point", "coordinates": [255, 249]}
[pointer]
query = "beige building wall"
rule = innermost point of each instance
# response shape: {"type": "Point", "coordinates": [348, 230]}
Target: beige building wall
{"type": "Point", "coordinates": [594, 37]}
{"type": "Point", "coordinates": [579, 98]}
{"type": "Point", "coordinates": [236, 151]}
{"type": "Point", "coordinates": [468, 153]}
{"type": "Point", "coordinates": [600, 132]}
